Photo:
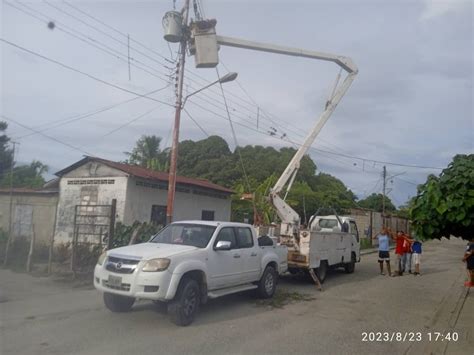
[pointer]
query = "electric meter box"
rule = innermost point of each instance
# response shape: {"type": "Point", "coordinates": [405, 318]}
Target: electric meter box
{"type": "Point", "coordinates": [204, 44]}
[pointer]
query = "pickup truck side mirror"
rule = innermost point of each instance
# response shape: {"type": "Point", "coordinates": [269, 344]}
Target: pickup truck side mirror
{"type": "Point", "coordinates": [222, 245]}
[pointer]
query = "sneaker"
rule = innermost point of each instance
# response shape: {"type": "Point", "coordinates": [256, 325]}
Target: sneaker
{"type": "Point", "coordinates": [382, 273]}
{"type": "Point", "coordinates": [468, 284]}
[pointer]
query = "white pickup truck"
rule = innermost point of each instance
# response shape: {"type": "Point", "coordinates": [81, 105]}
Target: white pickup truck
{"type": "Point", "coordinates": [186, 263]}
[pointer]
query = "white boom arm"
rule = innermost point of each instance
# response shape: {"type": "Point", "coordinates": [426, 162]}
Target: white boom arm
{"type": "Point", "coordinates": [288, 216]}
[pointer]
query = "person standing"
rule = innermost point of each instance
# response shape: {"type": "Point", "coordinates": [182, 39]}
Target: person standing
{"type": "Point", "coordinates": [416, 250]}
{"type": "Point", "coordinates": [399, 251]}
{"type": "Point", "coordinates": [469, 260]}
{"type": "Point", "coordinates": [384, 250]}
{"type": "Point", "coordinates": [407, 252]}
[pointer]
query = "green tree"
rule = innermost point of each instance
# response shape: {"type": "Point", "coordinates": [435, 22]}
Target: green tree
{"type": "Point", "coordinates": [26, 175]}
{"type": "Point", "coordinates": [6, 153]}
{"type": "Point", "coordinates": [374, 202]}
{"type": "Point", "coordinates": [444, 205]}
{"type": "Point", "coordinates": [148, 154]}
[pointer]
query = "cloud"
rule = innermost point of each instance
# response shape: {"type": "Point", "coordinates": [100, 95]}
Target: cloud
{"type": "Point", "coordinates": [436, 8]}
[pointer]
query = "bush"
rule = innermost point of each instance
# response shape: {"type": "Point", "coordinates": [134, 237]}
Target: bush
{"type": "Point", "coordinates": [86, 255]}
{"type": "Point", "coordinates": [365, 243]}
{"type": "Point", "coordinates": [62, 252]}
{"type": "Point", "coordinates": [123, 233]}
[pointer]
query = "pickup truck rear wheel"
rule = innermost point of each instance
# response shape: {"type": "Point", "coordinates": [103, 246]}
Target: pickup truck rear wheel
{"type": "Point", "coordinates": [117, 303]}
{"type": "Point", "coordinates": [182, 310]}
{"type": "Point", "coordinates": [322, 271]}
{"type": "Point", "coordinates": [267, 284]}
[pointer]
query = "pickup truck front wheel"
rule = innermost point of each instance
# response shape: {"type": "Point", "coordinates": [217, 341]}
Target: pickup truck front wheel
{"type": "Point", "coordinates": [117, 303]}
{"type": "Point", "coordinates": [182, 310]}
{"type": "Point", "coordinates": [267, 284]}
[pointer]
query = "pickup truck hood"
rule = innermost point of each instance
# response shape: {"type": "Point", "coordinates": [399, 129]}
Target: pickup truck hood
{"type": "Point", "coordinates": [148, 251]}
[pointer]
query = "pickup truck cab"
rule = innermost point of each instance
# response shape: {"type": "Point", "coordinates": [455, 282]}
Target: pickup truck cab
{"type": "Point", "coordinates": [186, 263]}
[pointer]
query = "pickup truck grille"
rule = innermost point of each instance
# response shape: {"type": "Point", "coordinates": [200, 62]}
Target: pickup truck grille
{"type": "Point", "coordinates": [121, 265]}
{"type": "Point", "coordinates": [122, 287]}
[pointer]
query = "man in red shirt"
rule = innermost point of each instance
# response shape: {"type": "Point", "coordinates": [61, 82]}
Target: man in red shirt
{"type": "Point", "coordinates": [399, 251]}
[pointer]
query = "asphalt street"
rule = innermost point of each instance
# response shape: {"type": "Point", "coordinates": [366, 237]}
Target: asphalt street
{"type": "Point", "coordinates": [41, 316]}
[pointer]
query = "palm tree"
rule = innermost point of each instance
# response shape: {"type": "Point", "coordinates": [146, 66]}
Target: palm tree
{"type": "Point", "coordinates": [148, 154]}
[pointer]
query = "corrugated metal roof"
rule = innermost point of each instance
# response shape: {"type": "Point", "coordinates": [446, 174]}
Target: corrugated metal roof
{"type": "Point", "coordinates": [149, 174]}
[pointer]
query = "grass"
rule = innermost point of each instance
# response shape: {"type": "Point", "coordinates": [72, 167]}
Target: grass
{"type": "Point", "coordinates": [281, 298]}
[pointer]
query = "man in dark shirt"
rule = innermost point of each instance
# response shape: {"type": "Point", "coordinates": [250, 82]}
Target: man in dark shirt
{"type": "Point", "coordinates": [469, 260]}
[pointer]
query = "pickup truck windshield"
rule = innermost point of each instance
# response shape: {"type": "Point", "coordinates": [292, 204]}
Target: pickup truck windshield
{"type": "Point", "coordinates": [197, 235]}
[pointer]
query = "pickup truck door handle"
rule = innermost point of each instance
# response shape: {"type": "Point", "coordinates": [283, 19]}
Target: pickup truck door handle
{"type": "Point", "coordinates": [236, 256]}
{"type": "Point", "coordinates": [253, 254]}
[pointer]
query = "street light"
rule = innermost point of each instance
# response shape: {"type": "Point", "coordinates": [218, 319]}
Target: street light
{"type": "Point", "coordinates": [174, 147]}
{"type": "Point", "coordinates": [225, 79]}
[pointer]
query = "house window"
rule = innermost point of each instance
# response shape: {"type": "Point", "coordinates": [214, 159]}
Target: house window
{"type": "Point", "coordinates": [158, 215]}
{"type": "Point", "coordinates": [207, 215]}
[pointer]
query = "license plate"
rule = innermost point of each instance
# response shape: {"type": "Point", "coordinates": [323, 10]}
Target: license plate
{"type": "Point", "coordinates": [115, 281]}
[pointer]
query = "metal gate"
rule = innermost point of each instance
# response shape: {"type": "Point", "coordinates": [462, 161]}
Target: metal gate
{"type": "Point", "coordinates": [93, 230]}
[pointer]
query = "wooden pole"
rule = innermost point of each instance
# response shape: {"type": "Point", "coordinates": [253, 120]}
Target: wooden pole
{"type": "Point", "coordinates": [113, 212]}
{"type": "Point", "coordinates": [30, 253]}
{"type": "Point", "coordinates": [51, 242]}
{"type": "Point", "coordinates": [10, 216]}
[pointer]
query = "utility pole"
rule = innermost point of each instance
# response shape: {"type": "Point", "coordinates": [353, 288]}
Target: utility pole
{"type": "Point", "coordinates": [384, 175]}
{"type": "Point", "coordinates": [10, 237]}
{"type": "Point", "coordinates": [177, 118]}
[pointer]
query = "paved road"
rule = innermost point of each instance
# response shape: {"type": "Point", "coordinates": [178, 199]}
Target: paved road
{"type": "Point", "coordinates": [39, 316]}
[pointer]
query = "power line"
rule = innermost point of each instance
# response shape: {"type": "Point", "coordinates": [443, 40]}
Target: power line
{"type": "Point", "coordinates": [329, 152]}
{"type": "Point", "coordinates": [92, 42]}
{"type": "Point", "coordinates": [128, 122]}
{"type": "Point", "coordinates": [75, 118]}
{"type": "Point", "coordinates": [195, 122]}
{"type": "Point", "coordinates": [102, 32]}
{"type": "Point", "coordinates": [47, 136]}
{"type": "Point", "coordinates": [233, 133]}
{"type": "Point", "coordinates": [83, 73]}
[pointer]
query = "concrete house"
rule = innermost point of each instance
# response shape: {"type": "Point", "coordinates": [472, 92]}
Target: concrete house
{"type": "Point", "coordinates": [92, 183]}
{"type": "Point", "coordinates": [32, 212]}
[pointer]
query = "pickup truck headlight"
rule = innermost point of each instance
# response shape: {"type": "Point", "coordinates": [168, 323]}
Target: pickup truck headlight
{"type": "Point", "coordinates": [102, 258]}
{"type": "Point", "coordinates": [154, 265]}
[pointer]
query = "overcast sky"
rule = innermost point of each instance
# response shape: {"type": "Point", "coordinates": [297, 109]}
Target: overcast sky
{"type": "Point", "coordinates": [412, 102]}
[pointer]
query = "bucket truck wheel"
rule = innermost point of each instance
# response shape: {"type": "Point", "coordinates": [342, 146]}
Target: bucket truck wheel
{"type": "Point", "coordinates": [183, 309]}
{"type": "Point", "coordinates": [267, 284]}
{"type": "Point", "coordinates": [322, 271]}
{"type": "Point", "coordinates": [350, 267]}
{"type": "Point", "coordinates": [117, 303]}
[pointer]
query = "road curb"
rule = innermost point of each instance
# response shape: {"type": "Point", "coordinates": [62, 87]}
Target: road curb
{"type": "Point", "coordinates": [444, 319]}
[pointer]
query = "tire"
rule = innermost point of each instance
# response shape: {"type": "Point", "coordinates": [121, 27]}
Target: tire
{"type": "Point", "coordinates": [267, 283]}
{"type": "Point", "coordinates": [183, 309]}
{"type": "Point", "coordinates": [322, 271]}
{"type": "Point", "coordinates": [350, 267]}
{"type": "Point", "coordinates": [117, 303]}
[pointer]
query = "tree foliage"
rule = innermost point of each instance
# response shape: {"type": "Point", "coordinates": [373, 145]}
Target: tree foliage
{"type": "Point", "coordinates": [6, 153]}
{"type": "Point", "coordinates": [444, 205]}
{"type": "Point", "coordinates": [212, 159]}
{"type": "Point", "coordinates": [147, 153]}
{"type": "Point", "coordinates": [26, 175]}
{"type": "Point", "coordinates": [375, 202]}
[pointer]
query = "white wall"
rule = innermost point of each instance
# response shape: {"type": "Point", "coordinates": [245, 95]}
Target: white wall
{"type": "Point", "coordinates": [187, 205]}
{"type": "Point", "coordinates": [94, 192]}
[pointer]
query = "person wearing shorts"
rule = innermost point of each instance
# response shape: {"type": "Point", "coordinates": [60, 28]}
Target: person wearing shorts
{"type": "Point", "coordinates": [416, 250]}
{"type": "Point", "coordinates": [384, 247]}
